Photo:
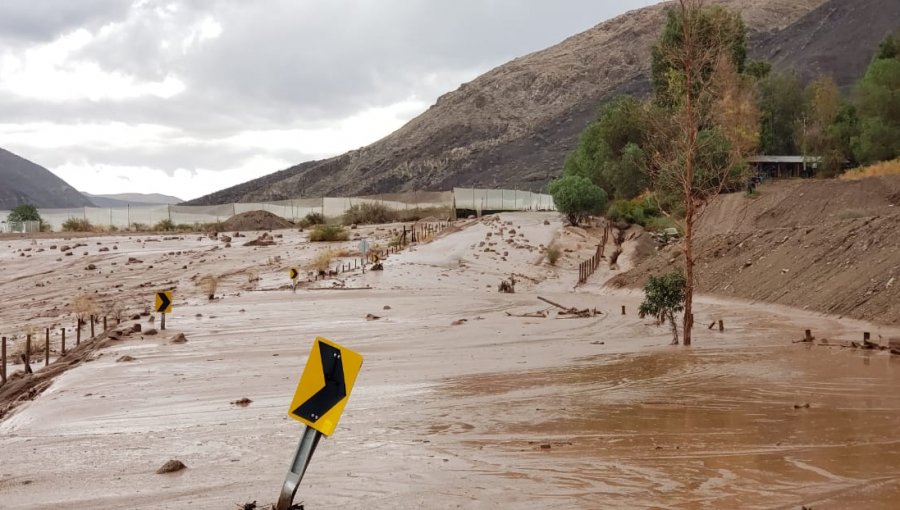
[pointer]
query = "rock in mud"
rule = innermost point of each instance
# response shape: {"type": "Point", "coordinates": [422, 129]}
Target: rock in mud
{"type": "Point", "coordinates": [151, 332]}
{"type": "Point", "coordinates": [371, 317]}
{"type": "Point", "coordinates": [172, 466]}
{"type": "Point", "coordinates": [179, 339]}
{"type": "Point", "coordinates": [125, 359]}
{"type": "Point", "coordinates": [243, 402]}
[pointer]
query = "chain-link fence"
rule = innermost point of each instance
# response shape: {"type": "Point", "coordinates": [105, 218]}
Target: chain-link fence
{"type": "Point", "coordinates": [424, 202]}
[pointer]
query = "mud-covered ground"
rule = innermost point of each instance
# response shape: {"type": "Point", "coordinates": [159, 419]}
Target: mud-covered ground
{"type": "Point", "coordinates": [494, 411]}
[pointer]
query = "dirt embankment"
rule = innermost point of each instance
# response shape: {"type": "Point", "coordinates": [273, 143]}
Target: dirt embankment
{"type": "Point", "coordinates": [830, 246]}
{"type": "Point", "coordinates": [256, 220]}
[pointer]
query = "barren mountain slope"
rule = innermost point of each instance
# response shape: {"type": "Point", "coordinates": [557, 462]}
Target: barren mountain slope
{"type": "Point", "coordinates": [512, 126]}
{"type": "Point", "coordinates": [24, 182]}
{"type": "Point", "coordinates": [831, 246]}
{"type": "Point", "coordinates": [837, 38]}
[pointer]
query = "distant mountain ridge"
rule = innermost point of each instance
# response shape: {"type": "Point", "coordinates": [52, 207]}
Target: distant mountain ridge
{"type": "Point", "coordinates": [24, 182]}
{"type": "Point", "coordinates": [125, 199]}
{"type": "Point", "coordinates": [513, 126]}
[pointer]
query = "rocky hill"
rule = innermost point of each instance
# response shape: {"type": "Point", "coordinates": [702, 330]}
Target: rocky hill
{"type": "Point", "coordinates": [24, 182]}
{"type": "Point", "coordinates": [126, 199]}
{"type": "Point", "coordinates": [826, 245]}
{"type": "Point", "coordinates": [514, 125]}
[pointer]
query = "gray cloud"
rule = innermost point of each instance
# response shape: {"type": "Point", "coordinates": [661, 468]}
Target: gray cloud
{"type": "Point", "coordinates": [277, 64]}
{"type": "Point", "coordinates": [38, 21]}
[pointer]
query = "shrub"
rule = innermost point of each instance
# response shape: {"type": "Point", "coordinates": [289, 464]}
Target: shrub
{"type": "Point", "coordinates": [629, 211]}
{"type": "Point", "coordinates": [215, 226]}
{"type": "Point", "coordinates": [209, 284]}
{"type": "Point", "coordinates": [139, 227]}
{"type": "Point", "coordinates": [661, 223]}
{"type": "Point", "coordinates": [367, 213]}
{"type": "Point", "coordinates": [878, 169]}
{"type": "Point", "coordinates": [313, 218]}
{"type": "Point", "coordinates": [663, 298]}
{"type": "Point", "coordinates": [640, 211]}
{"type": "Point", "coordinates": [77, 225]}
{"type": "Point", "coordinates": [850, 214]}
{"type": "Point", "coordinates": [553, 254]}
{"type": "Point", "coordinates": [23, 212]}
{"type": "Point", "coordinates": [577, 197]}
{"type": "Point", "coordinates": [164, 225]}
{"type": "Point", "coordinates": [322, 260]}
{"type": "Point", "coordinates": [83, 306]}
{"type": "Point", "coordinates": [328, 233]}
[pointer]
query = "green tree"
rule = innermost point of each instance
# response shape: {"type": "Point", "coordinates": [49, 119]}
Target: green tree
{"type": "Point", "coordinates": [23, 212]}
{"type": "Point", "coordinates": [663, 298]}
{"type": "Point", "coordinates": [758, 69]}
{"type": "Point", "coordinates": [699, 149]}
{"type": "Point", "coordinates": [609, 150]}
{"type": "Point", "coordinates": [878, 106]}
{"type": "Point", "coordinates": [781, 106]}
{"type": "Point", "coordinates": [577, 197]}
{"type": "Point", "coordinates": [824, 127]}
{"type": "Point", "coordinates": [711, 26]}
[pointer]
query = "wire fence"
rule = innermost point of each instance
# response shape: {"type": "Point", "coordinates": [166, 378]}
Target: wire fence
{"type": "Point", "coordinates": [460, 200]}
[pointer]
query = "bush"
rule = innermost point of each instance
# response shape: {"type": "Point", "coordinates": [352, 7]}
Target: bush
{"type": "Point", "coordinates": [367, 213]}
{"type": "Point", "coordinates": [165, 225]}
{"type": "Point", "coordinates": [661, 223]}
{"type": "Point", "coordinates": [577, 197]}
{"type": "Point", "coordinates": [77, 225]}
{"type": "Point", "coordinates": [663, 298]}
{"type": "Point", "coordinates": [139, 227]}
{"type": "Point", "coordinates": [553, 254]}
{"type": "Point", "coordinates": [322, 260]}
{"type": "Point", "coordinates": [209, 284]}
{"type": "Point", "coordinates": [313, 218]}
{"type": "Point", "coordinates": [22, 213]}
{"type": "Point", "coordinates": [328, 233]}
{"type": "Point", "coordinates": [640, 211]}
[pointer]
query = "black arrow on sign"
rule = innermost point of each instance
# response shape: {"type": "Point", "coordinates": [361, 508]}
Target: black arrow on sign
{"type": "Point", "coordinates": [334, 390]}
{"type": "Point", "coordinates": [163, 302]}
{"type": "Point", "coordinates": [293, 274]}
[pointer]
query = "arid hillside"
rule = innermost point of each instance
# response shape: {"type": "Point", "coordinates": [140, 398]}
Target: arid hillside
{"type": "Point", "coordinates": [514, 125]}
{"type": "Point", "coordinates": [24, 182]}
{"type": "Point", "coordinates": [830, 246]}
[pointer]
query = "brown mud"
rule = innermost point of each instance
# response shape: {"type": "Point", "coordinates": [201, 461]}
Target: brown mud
{"type": "Point", "coordinates": [498, 411]}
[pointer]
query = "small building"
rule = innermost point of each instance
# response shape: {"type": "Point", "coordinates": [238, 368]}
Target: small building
{"type": "Point", "coordinates": [783, 166]}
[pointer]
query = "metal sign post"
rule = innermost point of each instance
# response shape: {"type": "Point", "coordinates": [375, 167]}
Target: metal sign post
{"type": "Point", "coordinates": [163, 305]}
{"type": "Point", "coordinates": [364, 249]}
{"type": "Point", "coordinates": [320, 399]}
{"type": "Point", "coordinates": [305, 449]}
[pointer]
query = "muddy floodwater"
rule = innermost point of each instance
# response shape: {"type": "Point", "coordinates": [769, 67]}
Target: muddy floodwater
{"type": "Point", "coordinates": [463, 401]}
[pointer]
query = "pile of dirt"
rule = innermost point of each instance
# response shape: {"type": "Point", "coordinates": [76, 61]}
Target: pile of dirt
{"type": "Point", "coordinates": [830, 246]}
{"type": "Point", "coordinates": [256, 220]}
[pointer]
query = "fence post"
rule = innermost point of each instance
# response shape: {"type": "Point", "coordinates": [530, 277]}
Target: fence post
{"type": "Point", "coordinates": [27, 359]}
{"type": "Point", "coordinates": [104, 324]}
{"type": "Point", "coordinates": [47, 348]}
{"type": "Point", "coordinates": [63, 349]}
{"type": "Point", "coordinates": [78, 333]}
{"type": "Point", "coordinates": [3, 360]}
{"type": "Point", "coordinates": [92, 326]}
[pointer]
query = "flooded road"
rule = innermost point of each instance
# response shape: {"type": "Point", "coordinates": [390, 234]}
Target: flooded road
{"type": "Point", "coordinates": [463, 402]}
{"type": "Point", "coordinates": [736, 428]}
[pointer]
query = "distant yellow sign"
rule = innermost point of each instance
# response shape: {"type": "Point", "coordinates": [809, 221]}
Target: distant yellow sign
{"type": "Point", "coordinates": [293, 273]}
{"type": "Point", "coordinates": [163, 303]}
{"type": "Point", "coordinates": [325, 385]}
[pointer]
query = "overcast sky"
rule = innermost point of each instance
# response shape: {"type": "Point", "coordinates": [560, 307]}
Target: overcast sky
{"type": "Point", "coordinates": [186, 97]}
